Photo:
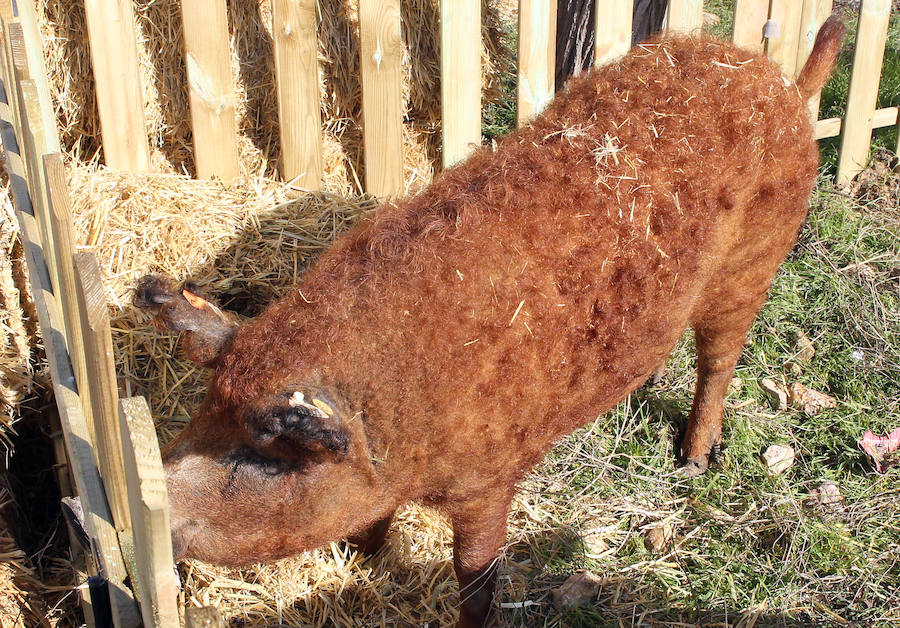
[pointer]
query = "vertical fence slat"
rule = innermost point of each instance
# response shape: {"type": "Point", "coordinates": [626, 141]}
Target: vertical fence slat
{"type": "Point", "coordinates": [856, 135]}
{"type": "Point", "coordinates": [749, 20]}
{"type": "Point", "coordinates": [120, 103]}
{"type": "Point", "coordinates": [207, 55]}
{"type": "Point", "coordinates": [64, 238]}
{"type": "Point", "coordinates": [38, 72]}
{"type": "Point", "coordinates": [460, 78]}
{"type": "Point", "coordinates": [782, 47]}
{"type": "Point", "coordinates": [9, 77]}
{"type": "Point", "coordinates": [612, 26]}
{"type": "Point", "coordinates": [101, 370]}
{"type": "Point", "coordinates": [297, 72]}
{"type": "Point", "coordinates": [148, 501]}
{"type": "Point", "coordinates": [380, 52]}
{"type": "Point", "coordinates": [815, 12]}
{"type": "Point", "coordinates": [537, 57]}
{"type": "Point", "coordinates": [74, 426]}
{"type": "Point", "coordinates": [685, 16]}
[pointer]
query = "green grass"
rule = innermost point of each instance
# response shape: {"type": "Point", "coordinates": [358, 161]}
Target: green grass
{"type": "Point", "coordinates": [746, 546]}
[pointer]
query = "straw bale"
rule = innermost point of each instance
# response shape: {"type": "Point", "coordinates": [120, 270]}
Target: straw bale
{"type": "Point", "coordinates": [16, 369]}
{"type": "Point", "coordinates": [163, 75]}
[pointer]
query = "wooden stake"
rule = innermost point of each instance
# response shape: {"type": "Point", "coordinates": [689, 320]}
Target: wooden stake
{"type": "Point", "coordinates": [101, 370]}
{"type": "Point", "coordinates": [537, 57]}
{"type": "Point", "coordinates": [749, 20]}
{"type": "Point", "coordinates": [874, 16]}
{"type": "Point", "coordinates": [460, 78]}
{"type": "Point", "coordinates": [613, 31]}
{"type": "Point", "coordinates": [149, 504]}
{"type": "Point", "coordinates": [207, 54]}
{"type": "Point", "coordinates": [38, 73]}
{"type": "Point", "coordinates": [120, 102]}
{"type": "Point", "coordinates": [782, 46]}
{"type": "Point", "coordinates": [297, 72]}
{"type": "Point", "coordinates": [75, 430]}
{"type": "Point", "coordinates": [380, 52]}
{"type": "Point", "coordinates": [685, 16]}
{"type": "Point", "coordinates": [815, 12]}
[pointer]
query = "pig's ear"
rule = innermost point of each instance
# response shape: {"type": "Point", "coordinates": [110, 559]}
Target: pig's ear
{"type": "Point", "coordinates": [208, 328]}
{"type": "Point", "coordinates": [309, 422]}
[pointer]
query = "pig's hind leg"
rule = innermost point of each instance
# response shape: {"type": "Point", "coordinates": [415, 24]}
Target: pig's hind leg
{"type": "Point", "coordinates": [720, 335]}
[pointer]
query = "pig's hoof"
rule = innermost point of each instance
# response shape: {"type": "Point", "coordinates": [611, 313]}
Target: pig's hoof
{"type": "Point", "coordinates": [693, 467]}
{"type": "Point", "coordinates": [152, 292]}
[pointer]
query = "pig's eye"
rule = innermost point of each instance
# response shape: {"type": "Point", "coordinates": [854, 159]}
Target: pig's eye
{"type": "Point", "coordinates": [246, 457]}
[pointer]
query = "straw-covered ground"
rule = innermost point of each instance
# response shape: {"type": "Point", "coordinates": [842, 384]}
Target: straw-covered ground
{"type": "Point", "coordinates": [736, 546]}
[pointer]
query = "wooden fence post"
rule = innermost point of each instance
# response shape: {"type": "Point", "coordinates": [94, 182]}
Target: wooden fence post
{"type": "Point", "coordinates": [380, 54]}
{"type": "Point", "coordinates": [685, 16]}
{"type": "Point", "coordinates": [120, 102]}
{"type": "Point", "coordinates": [612, 25]}
{"type": "Point", "coordinates": [815, 12]}
{"type": "Point", "coordinates": [149, 505]}
{"type": "Point", "coordinates": [537, 57]}
{"type": "Point", "coordinates": [782, 46]}
{"type": "Point", "coordinates": [207, 55]}
{"type": "Point", "coordinates": [856, 136]}
{"type": "Point", "coordinates": [101, 370]}
{"type": "Point", "coordinates": [297, 74]}
{"type": "Point", "coordinates": [460, 78]}
{"type": "Point", "coordinates": [749, 20]}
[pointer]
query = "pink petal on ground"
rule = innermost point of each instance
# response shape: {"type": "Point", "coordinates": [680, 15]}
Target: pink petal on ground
{"type": "Point", "coordinates": [879, 447]}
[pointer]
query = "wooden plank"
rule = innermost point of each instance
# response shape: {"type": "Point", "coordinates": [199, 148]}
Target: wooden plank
{"type": "Point", "coordinates": [203, 617]}
{"type": "Point", "coordinates": [101, 370]}
{"type": "Point", "coordinates": [856, 135]}
{"type": "Point", "coordinates": [74, 427]}
{"type": "Point", "coordinates": [685, 16]}
{"type": "Point", "coordinates": [612, 25]}
{"type": "Point", "coordinates": [380, 55]}
{"type": "Point", "coordinates": [207, 54]}
{"type": "Point", "coordinates": [9, 77]}
{"type": "Point", "coordinates": [749, 20]}
{"type": "Point", "coordinates": [60, 206]}
{"type": "Point", "coordinates": [537, 57]}
{"type": "Point", "coordinates": [782, 44]}
{"type": "Point", "coordinates": [815, 12]}
{"type": "Point", "coordinates": [297, 72]}
{"type": "Point", "coordinates": [34, 51]}
{"type": "Point", "coordinates": [148, 501]}
{"type": "Point", "coordinates": [120, 102]}
{"type": "Point", "coordinates": [460, 78]}
{"type": "Point", "coordinates": [831, 127]}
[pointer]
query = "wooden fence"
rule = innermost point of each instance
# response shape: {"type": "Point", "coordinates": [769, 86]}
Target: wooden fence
{"type": "Point", "coordinates": [110, 442]}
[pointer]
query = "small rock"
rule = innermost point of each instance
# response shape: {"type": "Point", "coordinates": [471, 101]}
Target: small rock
{"type": "Point", "coordinates": [804, 347]}
{"type": "Point", "coordinates": [776, 392]}
{"type": "Point", "coordinates": [580, 589]}
{"type": "Point", "coordinates": [710, 18]}
{"type": "Point", "coordinates": [827, 496]}
{"type": "Point", "coordinates": [735, 384]}
{"type": "Point", "coordinates": [656, 537]}
{"type": "Point", "coordinates": [809, 401]}
{"type": "Point", "coordinates": [778, 459]}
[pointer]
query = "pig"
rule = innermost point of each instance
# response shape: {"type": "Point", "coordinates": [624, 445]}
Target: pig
{"type": "Point", "coordinates": [445, 343]}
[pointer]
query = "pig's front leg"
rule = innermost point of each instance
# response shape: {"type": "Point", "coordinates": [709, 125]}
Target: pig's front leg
{"type": "Point", "coordinates": [370, 540]}
{"type": "Point", "coordinates": [479, 531]}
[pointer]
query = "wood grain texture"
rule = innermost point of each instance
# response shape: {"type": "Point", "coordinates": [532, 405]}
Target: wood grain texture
{"type": "Point", "coordinates": [856, 135]}
{"type": "Point", "coordinates": [380, 55]}
{"type": "Point", "coordinates": [460, 78]}
{"type": "Point", "coordinates": [9, 76]}
{"type": "Point", "coordinates": [101, 369]}
{"type": "Point", "coordinates": [34, 52]}
{"type": "Point", "coordinates": [120, 103]}
{"type": "Point", "coordinates": [297, 73]}
{"type": "Point", "coordinates": [612, 25]}
{"type": "Point", "coordinates": [60, 206]}
{"type": "Point", "coordinates": [831, 127]}
{"type": "Point", "coordinates": [685, 16]}
{"type": "Point", "coordinates": [815, 12]}
{"type": "Point", "coordinates": [782, 48]}
{"type": "Point", "coordinates": [749, 20]}
{"type": "Point", "coordinates": [75, 431]}
{"type": "Point", "coordinates": [210, 88]}
{"type": "Point", "coordinates": [149, 505]}
{"type": "Point", "coordinates": [537, 58]}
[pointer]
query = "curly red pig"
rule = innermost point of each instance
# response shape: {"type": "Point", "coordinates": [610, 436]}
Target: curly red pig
{"type": "Point", "coordinates": [443, 345]}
